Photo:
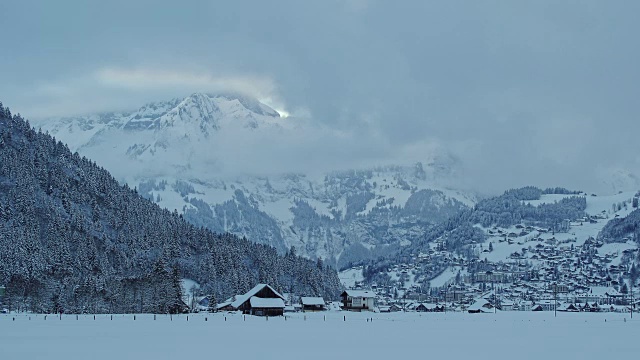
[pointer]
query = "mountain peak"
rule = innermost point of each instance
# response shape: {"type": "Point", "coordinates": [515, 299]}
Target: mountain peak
{"type": "Point", "coordinates": [207, 110]}
{"type": "Point", "coordinates": [250, 103]}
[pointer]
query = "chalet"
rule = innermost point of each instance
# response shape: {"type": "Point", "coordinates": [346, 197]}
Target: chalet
{"type": "Point", "coordinates": [568, 308]}
{"type": "Point", "coordinates": [426, 307]}
{"type": "Point", "coordinates": [480, 306]}
{"type": "Point", "coordinates": [506, 305]}
{"type": "Point", "coordinates": [312, 304]}
{"type": "Point", "coordinates": [262, 300]}
{"type": "Point", "coordinates": [546, 305]}
{"type": "Point", "coordinates": [358, 300]}
{"type": "Point", "coordinates": [226, 306]}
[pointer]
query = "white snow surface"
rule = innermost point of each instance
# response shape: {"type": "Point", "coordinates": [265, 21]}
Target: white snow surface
{"type": "Point", "coordinates": [349, 277]}
{"type": "Point", "coordinates": [506, 335]}
{"type": "Point", "coordinates": [446, 276]}
{"type": "Point", "coordinates": [187, 285]}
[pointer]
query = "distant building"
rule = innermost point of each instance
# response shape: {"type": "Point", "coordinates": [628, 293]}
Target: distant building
{"type": "Point", "coordinates": [427, 307]}
{"type": "Point", "coordinates": [312, 303]}
{"type": "Point", "coordinates": [262, 300]}
{"type": "Point", "coordinates": [480, 306]}
{"type": "Point", "coordinates": [358, 300]}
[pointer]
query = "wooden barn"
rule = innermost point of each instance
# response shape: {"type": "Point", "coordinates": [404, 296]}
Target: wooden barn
{"type": "Point", "coordinates": [312, 303]}
{"type": "Point", "coordinates": [262, 300]}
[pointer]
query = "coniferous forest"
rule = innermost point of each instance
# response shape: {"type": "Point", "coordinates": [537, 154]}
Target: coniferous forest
{"type": "Point", "coordinates": [73, 239]}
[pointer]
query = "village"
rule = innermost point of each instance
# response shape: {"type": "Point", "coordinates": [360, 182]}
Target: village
{"type": "Point", "coordinates": [551, 272]}
{"type": "Point", "coordinates": [522, 268]}
{"type": "Point", "coordinates": [518, 268]}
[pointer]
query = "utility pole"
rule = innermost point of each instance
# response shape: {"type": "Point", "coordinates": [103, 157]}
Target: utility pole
{"type": "Point", "coordinates": [555, 298]}
{"type": "Point", "coordinates": [445, 298]}
{"type": "Point", "coordinates": [495, 300]}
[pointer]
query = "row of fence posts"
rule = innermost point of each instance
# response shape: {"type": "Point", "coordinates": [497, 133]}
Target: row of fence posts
{"type": "Point", "coordinates": [244, 318]}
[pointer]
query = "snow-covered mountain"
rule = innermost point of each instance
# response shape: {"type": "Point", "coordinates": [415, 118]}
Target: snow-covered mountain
{"type": "Point", "coordinates": [174, 153]}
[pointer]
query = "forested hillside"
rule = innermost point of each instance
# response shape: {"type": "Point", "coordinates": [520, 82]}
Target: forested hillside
{"type": "Point", "coordinates": [623, 229]}
{"type": "Point", "coordinates": [461, 233]}
{"type": "Point", "coordinates": [73, 239]}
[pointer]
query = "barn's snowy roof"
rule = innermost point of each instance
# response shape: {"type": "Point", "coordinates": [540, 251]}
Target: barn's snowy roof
{"type": "Point", "coordinates": [267, 303]}
{"type": "Point", "coordinates": [224, 304]}
{"type": "Point", "coordinates": [429, 305]}
{"type": "Point", "coordinates": [307, 300]}
{"type": "Point", "coordinates": [240, 299]}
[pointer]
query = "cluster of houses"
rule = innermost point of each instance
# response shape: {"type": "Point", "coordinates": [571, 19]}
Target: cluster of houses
{"type": "Point", "coordinates": [546, 275]}
{"type": "Point", "coordinates": [547, 272]}
{"type": "Point", "coordinates": [264, 300]}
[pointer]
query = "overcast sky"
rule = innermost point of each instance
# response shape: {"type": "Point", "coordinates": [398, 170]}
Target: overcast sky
{"type": "Point", "coordinates": [533, 92]}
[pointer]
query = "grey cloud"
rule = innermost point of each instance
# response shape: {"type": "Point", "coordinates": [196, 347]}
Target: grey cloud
{"type": "Point", "coordinates": [547, 89]}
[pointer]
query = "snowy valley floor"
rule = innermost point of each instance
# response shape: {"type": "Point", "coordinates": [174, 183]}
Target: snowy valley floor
{"type": "Point", "coordinates": [507, 335]}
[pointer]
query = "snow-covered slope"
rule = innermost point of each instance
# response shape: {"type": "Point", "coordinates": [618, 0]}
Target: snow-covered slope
{"type": "Point", "coordinates": [173, 152]}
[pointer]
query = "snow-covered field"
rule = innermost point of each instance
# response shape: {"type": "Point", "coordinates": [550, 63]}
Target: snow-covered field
{"type": "Point", "coordinates": [324, 336]}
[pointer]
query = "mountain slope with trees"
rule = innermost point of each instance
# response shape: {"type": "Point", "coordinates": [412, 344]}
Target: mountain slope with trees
{"type": "Point", "coordinates": [73, 239]}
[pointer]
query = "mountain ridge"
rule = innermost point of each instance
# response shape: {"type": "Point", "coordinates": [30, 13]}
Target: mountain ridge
{"type": "Point", "coordinates": [165, 150]}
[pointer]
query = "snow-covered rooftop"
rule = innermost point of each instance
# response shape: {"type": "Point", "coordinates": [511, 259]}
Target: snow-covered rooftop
{"type": "Point", "coordinates": [240, 299]}
{"type": "Point", "coordinates": [307, 300]}
{"type": "Point", "coordinates": [268, 303]}
{"type": "Point", "coordinates": [360, 293]}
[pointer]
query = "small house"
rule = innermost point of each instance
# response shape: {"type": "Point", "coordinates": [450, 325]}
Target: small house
{"type": "Point", "coordinates": [358, 300]}
{"type": "Point", "coordinates": [506, 305]}
{"type": "Point", "coordinates": [312, 304]}
{"type": "Point", "coordinates": [568, 308]}
{"type": "Point", "coordinates": [429, 307]}
{"type": "Point", "coordinates": [262, 300]}
{"type": "Point", "coordinates": [480, 306]}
